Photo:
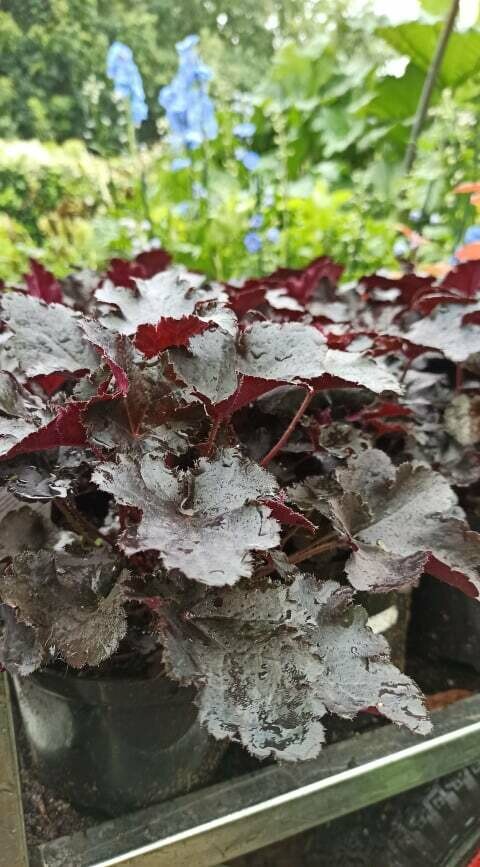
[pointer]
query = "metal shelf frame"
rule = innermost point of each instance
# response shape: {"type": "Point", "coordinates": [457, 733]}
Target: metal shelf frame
{"type": "Point", "coordinates": [221, 822]}
{"type": "Point", "coordinates": [13, 848]}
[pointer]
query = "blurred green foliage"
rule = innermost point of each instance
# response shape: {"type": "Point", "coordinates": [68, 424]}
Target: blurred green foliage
{"type": "Point", "coordinates": [332, 95]}
{"type": "Point", "coordinates": [52, 53]}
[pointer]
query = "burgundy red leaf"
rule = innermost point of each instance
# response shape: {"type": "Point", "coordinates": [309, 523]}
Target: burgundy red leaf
{"type": "Point", "coordinates": [43, 284]}
{"type": "Point", "coordinates": [153, 339]}
{"type": "Point", "coordinates": [124, 272]}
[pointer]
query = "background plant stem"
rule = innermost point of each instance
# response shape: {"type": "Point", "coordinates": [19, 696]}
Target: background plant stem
{"type": "Point", "coordinates": [429, 84]}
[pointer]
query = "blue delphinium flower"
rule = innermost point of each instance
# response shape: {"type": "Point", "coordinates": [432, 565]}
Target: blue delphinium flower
{"type": "Point", "coordinates": [249, 159]}
{"type": "Point", "coordinates": [118, 55]}
{"type": "Point", "coordinates": [273, 235]}
{"type": "Point", "coordinates": [189, 109]}
{"type": "Point", "coordinates": [198, 190]}
{"type": "Point", "coordinates": [246, 129]}
{"type": "Point", "coordinates": [268, 198]}
{"type": "Point", "coordinates": [128, 84]}
{"type": "Point", "coordinates": [180, 163]}
{"type": "Point", "coordinates": [256, 221]}
{"type": "Point", "coordinates": [188, 43]}
{"type": "Point", "coordinates": [253, 242]}
{"type": "Point", "coordinates": [183, 209]}
{"type": "Point", "coordinates": [472, 235]}
{"type": "Point", "coordinates": [401, 248]}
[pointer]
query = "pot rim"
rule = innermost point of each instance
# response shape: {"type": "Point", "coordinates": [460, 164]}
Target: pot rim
{"type": "Point", "coordinates": [124, 691]}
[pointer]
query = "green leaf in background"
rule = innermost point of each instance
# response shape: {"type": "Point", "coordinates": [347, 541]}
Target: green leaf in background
{"type": "Point", "coordinates": [395, 98]}
{"type": "Point", "coordinates": [418, 41]}
{"type": "Point", "coordinates": [439, 8]}
{"type": "Point", "coordinates": [300, 70]}
{"type": "Point", "coordinates": [339, 128]}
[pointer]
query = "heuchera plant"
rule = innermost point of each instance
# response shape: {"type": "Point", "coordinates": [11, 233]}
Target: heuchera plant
{"type": "Point", "coordinates": [177, 448]}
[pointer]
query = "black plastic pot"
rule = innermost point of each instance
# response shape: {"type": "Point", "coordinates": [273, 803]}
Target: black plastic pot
{"type": "Point", "coordinates": [112, 746]}
{"type": "Point", "coordinates": [446, 623]}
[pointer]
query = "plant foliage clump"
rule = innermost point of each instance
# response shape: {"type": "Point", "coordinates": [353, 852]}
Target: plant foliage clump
{"type": "Point", "coordinates": [175, 448]}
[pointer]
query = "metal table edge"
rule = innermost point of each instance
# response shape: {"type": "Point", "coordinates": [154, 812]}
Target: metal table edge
{"type": "Point", "coordinates": [13, 849]}
{"type": "Point", "coordinates": [239, 816]}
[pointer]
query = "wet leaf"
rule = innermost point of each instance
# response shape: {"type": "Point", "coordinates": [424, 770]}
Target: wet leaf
{"type": "Point", "coordinates": [55, 593]}
{"type": "Point", "coordinates": [271, 663]}
{"type": "Point", "coordinates": [42, 476]}
{"type": "Point", "coordinates": [171, 294]}
{"type": "Point", "coordinates": [293, 352]}
{"type": "Point", "coordinates": [25, 529]}
{"type": "Point", "coordinates": [46, 337]}
{"type": "Point", "coordinates": [20, 650]}
{"type": "Point", "coordinates": [209, 366]}
{"type": "Point", "coordinates": [396, 518]}
{"type": "Point", "coordinates": [21, 414]}
{"type": "Point", "coordinates": [444, 329]}
{"type": "Point", "coordinates": [204, 522]}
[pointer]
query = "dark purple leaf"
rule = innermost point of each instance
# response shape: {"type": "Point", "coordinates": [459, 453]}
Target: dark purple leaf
{"type": "Point", "coordinates": [56, 594]}
{"type": "Point", "coordinates": [405, 289]}
{"type": "Point", "coordinates": [25, 529]}
{"type": "Point", "coordinates": [20, 650]}
{"type": "Point", "coordinates": [300, 285]}
{"type": "Point", "coordinates": [445, 330]}
{"type": "Point", "coordinates": [46, 337]}
{"type": "Point", "coordinates": [203, 522]}
{"type": "Point", "coordinates": [270, 663]}
{"type": "Point", "coordinates": [293, 352]}
{"type": "Point", "coordinates": [116, 350]}
{"type": "Point", "coordinates": [43, 476]}
{"type": "Point", "coordinates": [21, 414]}
{"type": "Point", "coordinates": [171, 294]}
{"type": "Point", "coordinates": [209, 365]}
{"type": "Point", "coordinates": [397, 517]}
{"type": "Point", "coordinates": [65, 429]}
{"type": "Point", "coordinates": [271, 352]}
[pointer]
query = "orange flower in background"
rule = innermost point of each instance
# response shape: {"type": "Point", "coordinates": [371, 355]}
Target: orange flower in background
{"type": "Point", "coordinates": [472, 187]}
{"type": "Point", "coordinates": [435, 269]}
{"type": "Point", "coordinates": [467, 187]}
{"type": "Point", "coordinates": [468, 252]}
{"type": "Point", "coordinates": [415, 239]}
